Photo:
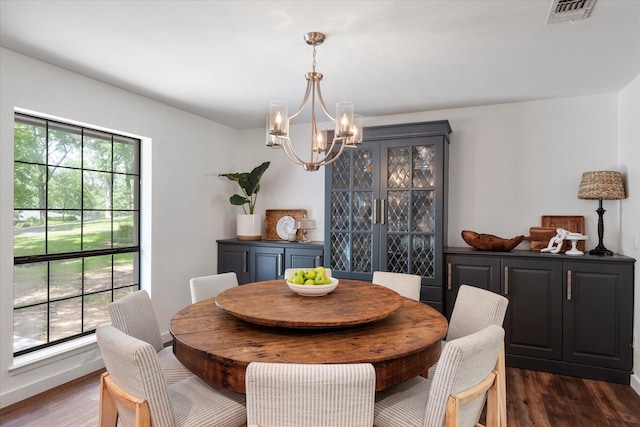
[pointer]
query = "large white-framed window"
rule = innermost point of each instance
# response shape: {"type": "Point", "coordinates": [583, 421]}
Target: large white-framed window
{"type": "Point", "coordinates": [76, 229]}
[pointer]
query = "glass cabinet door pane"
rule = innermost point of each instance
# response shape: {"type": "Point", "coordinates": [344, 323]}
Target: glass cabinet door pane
{"type": "Point", "coordinates": [424, 212]}
{"type": "Point", "coordinates": [424, 166]}
{"type": "Point", "coordinates": [398, 167]}
{"type": "Point", "coordinates": [423, 256]}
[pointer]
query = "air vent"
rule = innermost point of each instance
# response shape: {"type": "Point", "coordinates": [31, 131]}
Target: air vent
{"type": "Point", "coordinates": [569, 10]}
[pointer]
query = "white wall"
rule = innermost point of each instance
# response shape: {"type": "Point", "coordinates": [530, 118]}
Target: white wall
{"type": "Point", "coordinates": [629, 106]}
{"type": "Point", "coordinates": [187, 208]}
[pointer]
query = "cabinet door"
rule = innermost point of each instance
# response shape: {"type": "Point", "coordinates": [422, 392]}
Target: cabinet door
{"type": "Point", "coordinates": [351, 234]}
{"type": "Point", "coordinates": [598, 314]}
{"type": "Point", "coordinates": [303, 258]}
{"type": "Point", "coordinates": [481, 272]}
{"type": "Point", "coordinates": [533, 324]}
{"type": "Point", "coordinates": [267, 263]}
{"type": "Point", "coordinates": [234, 258]}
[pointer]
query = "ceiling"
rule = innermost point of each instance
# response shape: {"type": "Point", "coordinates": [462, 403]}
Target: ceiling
{"type": "Point", "coordinates": [226, 60]}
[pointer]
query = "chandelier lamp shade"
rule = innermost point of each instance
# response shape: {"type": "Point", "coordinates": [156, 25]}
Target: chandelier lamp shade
{"type": "Point", "coordinates": [348, 126]}
{"type": "Point", "coordinates": [599, 185]}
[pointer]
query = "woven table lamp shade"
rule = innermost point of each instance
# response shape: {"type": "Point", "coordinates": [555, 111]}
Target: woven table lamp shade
{"type": "Point", "coordinates": [606, 185]}
{"type": "Point", "coordinates": [600, 185]}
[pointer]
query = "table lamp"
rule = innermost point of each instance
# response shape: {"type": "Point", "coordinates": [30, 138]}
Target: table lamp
{"type": "Point", "coordinates": [601, 185]}
{"type": "Point", "coordinates": [304, 224]}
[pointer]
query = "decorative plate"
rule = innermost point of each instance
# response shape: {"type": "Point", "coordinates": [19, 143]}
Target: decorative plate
{"type": "Point", "coordinates": [284, 227]}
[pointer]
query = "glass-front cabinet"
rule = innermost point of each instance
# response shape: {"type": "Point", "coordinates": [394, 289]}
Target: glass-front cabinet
{"type": "Point", "coordinates": [385, 205]}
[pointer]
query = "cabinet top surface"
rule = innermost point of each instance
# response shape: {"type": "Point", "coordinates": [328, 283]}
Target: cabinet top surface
{"type": "Point", "coordinates": [279, 243]}
{"type": "Point", "coordinates": [449, 250]}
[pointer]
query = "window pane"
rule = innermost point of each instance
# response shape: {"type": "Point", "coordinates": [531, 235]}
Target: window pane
{"type": "Point", "coordinates": [125, 268]}
{"type": "Point", "coordinates": [64, 231]}
{"type": "Point", "coordinates": [65, 318]}
{"type": "Point", "coordinates": [64, 145]}
{"type": "Point", "coordinates": [65, 278]}
{"type": "Point", "coordinates": [125, 192]}
{"type": "Point", "coordinates": [125, 230]}
{"type": "Point", "coordinates": [29, 327]}
{"type": "Point", "coordinates": [95, 310]}
{"type": "Point", "coordinates": [30, 140]}
{"type": "Point", "coordinates": [97, 190]}
{"type": "Point", "coordinates": [29, 284]}
{"type": "Point", "coordinates": [96, 230]}
{"type": "Point", "coordinates": [29, 186]}
{"type": "Point", "coordinates": [125, 155]}
{"type": "Point", "coordinates": [65, 188]}
{"type": "Point", "coordinates": [97, 151]}
{"type": "Point", "coordinates": [97, 273]}
{"type": "Point", "coordinates": [29, 237]}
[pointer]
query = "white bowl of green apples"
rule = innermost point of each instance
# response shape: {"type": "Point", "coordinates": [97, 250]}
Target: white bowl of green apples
{"type": "Point", "coordinates": [311, 282]}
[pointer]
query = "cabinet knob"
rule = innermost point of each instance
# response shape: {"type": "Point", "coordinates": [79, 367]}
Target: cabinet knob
{"type": "Point", "coordinates": [568, 285]}
{"type": "Point", "coordinates": [449, 276]}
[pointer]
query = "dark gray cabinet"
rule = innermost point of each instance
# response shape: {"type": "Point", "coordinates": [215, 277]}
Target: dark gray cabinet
{"type": "Point", "coordinates": [255, 261]}
{"type": "Point", "coordinates": [385, 205]}
{"type": "Point", "coordinates": [568, 315]}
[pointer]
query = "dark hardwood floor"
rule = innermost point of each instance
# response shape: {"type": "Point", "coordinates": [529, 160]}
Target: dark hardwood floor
{"type": "Point", "coordinates": [533, 399]}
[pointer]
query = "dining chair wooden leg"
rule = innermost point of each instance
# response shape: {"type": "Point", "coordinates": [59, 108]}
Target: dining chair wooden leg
{"type": "Point", "coordinates": [502, 389]}
{"type": "Point", "coordinates": [128, 402]}
{"type": "Point", "coordinates": [108, 409]}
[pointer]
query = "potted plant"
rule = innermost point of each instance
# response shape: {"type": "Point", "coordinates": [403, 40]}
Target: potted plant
{"type": "Point", "coordinates": [249, 226]}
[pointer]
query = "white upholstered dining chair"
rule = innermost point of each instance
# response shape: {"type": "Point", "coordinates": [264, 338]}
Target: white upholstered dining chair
{"type": "Point", "coordinates": [407, 285]}
{"type": "Point", "coordinates": [134, 389]}
{"type": "Point", "coordinates": [475, 309]}
{"type": "Point", "coordinates": [466, 378]}
{"type": "Point", "coordinates": [206, 287]}
{"type": "Point", "coordinates": [133, 314]}
{"type": "Point", "coordinates": [306, 395]}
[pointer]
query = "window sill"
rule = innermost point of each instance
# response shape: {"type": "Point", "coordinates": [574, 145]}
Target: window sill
{"type": "Point", "coordinates": [86, 346]}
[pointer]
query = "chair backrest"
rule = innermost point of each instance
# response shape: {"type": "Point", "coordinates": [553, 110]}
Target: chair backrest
{"type": "Point", "coordinates": [464, 363]}
{"type": "Point", "coordinates": [288, 272]}
{"type": "Point", "coordinates": [407, 285]}
{"type": "Point", "coordinates": [133, 314]}
{"type": "Point", "coordinates": [299, 395]}
{"type": "Point", "coordinates": [474, 310]}
{"type": "Point", "coordinates": [206, 287]}
{"type": "Point", "coordinates": [134, 367]}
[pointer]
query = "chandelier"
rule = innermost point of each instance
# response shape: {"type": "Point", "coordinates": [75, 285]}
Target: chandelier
{"type": "Point", "coordinates": [348, 126]}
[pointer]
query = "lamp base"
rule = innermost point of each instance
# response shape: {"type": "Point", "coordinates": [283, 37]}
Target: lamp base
{"type": "Point", "coordinates": [600, 250]}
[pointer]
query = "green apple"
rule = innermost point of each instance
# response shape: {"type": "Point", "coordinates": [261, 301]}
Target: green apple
{"type": "Point", "coordinates": [309, 282]}
{"type": "Point", "coordinates": [310, 273]}
{"type": "Point", "coordinates": [296, 280]}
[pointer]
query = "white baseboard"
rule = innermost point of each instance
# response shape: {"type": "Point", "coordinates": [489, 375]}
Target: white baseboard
{"type": "Point", "coordinates": [635, 383]}
{"type": "Point", "coordinates": [30, 390]}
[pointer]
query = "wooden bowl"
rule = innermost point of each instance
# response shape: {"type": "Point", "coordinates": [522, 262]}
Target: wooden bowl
{"type": "Point", "coordinates": [489, 242]}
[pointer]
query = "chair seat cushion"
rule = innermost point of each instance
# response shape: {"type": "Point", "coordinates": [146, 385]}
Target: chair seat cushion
{"type": "Point", "coordinates": [172, 369]}
{"type": "Point", "coordinates": [194, 403]}
{"type": "Point", "coordinates": [402, 404]}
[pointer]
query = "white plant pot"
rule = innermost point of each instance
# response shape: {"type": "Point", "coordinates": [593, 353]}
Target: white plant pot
{"type": "Point", "coordinates": [249, 227]}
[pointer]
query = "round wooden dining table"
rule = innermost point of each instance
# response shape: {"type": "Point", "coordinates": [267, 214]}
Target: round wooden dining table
{"type": "Point", "coordinates": [216, 339]}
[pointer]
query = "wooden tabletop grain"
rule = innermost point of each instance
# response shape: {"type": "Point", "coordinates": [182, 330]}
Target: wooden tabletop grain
{"type": "Point", "coordinates": [218, 346]}
{"type": "Point", "coordinates": [272, 303]}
